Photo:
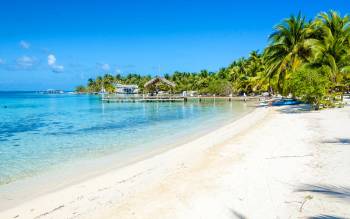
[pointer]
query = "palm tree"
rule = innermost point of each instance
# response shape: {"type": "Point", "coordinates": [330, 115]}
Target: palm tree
{"type": "Point", "coordinates": [256, 69]}
{"type": "Point", "coordinates": [255, 63]}
{"type": "Point", "coordinates": [332, 45]}
{"type": "Point", "coordinates": [99, 84]}
{"type": "Point", "coordinates": [92, 85]}
{"type": "Point", "coordinates": [118, 78]}
{"type": "Point", "coordinates": [288, 49]}
{"type": "Point", "coordinates": [107, 82]}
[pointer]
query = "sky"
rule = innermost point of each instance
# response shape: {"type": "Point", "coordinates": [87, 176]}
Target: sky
{"type": "Point", "coordinates": [61, 44]}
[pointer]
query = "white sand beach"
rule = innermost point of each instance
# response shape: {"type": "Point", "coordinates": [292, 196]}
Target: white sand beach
{"type": "Point", "coordinates": [273, 163]}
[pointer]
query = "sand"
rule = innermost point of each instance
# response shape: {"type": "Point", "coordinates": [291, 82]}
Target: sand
{"type": "Point", "coordinates": [274, 163]}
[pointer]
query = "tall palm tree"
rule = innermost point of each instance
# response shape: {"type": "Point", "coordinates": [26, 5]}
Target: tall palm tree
{"type": "Point", "coordinates": [118, 78]}
{"type": "Point", "coordinates": [107, 82]}
{"type": "Point", "coordinates": [92, 85]}
{"type": "Point", "coordinates": [256, 69]}
{"type": "Point", "coordinates": [288, 49]}
{"type": "Point", "coordinates": [332, 45]}
{"type": "Point", "coordinates": [255, 63]}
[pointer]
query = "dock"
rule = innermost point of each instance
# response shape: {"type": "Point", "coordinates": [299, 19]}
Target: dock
{"type": "Point", "coordinates": [168, 98]}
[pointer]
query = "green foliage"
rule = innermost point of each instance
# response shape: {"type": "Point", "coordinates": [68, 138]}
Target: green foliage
{"type": "Point", "coordinates": [153, 89]}
{"type": "Point", "coordinates": [289, 48]}
{"type": "Point", "coordinates": [300, 58]}
{"type": "Point", "coordinates": [80, 89]}
{"type": "Point", "coordinates": [332, 44]}
{"type": "Point", "coordinates": [309, 85]}
{"type": "Point", "coordinates": [220, 87]}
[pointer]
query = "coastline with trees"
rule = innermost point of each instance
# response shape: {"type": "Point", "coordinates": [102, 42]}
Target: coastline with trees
{"type": "Point", "coordinates": [265, 136]}
{"type": "Point", "coordinates": [309, 60]}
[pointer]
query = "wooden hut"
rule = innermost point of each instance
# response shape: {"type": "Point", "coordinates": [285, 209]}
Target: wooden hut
{"type": "Point", "coordinates": [157, 84]}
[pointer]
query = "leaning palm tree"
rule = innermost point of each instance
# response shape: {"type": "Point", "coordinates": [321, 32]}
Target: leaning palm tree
{"type": "Point", "coordinates": [288, 49]}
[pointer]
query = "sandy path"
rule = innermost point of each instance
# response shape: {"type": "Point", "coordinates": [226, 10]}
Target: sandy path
{"type": "Point", "coordinates": [270, 164]}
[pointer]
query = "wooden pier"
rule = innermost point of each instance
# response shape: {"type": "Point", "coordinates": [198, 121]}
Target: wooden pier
{"type": "Point", "coordinates": [170, 98]}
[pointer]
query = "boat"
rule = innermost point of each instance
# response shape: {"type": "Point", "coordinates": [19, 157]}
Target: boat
{"type": "Point", "coordinates": [53, 91]}
{"type": "Point", "coordinates": [285, 102]}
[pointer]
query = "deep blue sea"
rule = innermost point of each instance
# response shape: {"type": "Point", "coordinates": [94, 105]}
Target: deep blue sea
{"type": "Point", "coordinates": [39, 132]}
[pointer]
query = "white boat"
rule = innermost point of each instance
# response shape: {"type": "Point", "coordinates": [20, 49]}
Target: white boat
{"type": "Point", "coordinates": [53, 91]}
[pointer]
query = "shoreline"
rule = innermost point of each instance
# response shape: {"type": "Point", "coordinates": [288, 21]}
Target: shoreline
{"type": "Point", "coordinates": [274, 162]}
{"type": "Point", "coordinates": [31, 188]}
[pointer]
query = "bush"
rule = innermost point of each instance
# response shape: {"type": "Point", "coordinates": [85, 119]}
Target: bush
{"type": "Point", "coordinates": [310, 86]}
{"type": "Point", "coordinates": [220, 87]}
{"type": "Point", "coordinates": [80, 89]}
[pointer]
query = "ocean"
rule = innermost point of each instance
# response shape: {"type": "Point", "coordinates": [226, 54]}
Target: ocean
{"type": "Point", "coordinates": [40, 133]}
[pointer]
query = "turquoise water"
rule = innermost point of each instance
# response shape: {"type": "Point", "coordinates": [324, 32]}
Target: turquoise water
{"type": "Point", "coordinates": [39, 132]}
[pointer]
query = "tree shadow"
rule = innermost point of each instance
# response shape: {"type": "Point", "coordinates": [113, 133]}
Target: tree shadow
{"type": "Point", "coordinates": [339, 192]}
{"type": "Point", "coordinates": [301, 108]}
{"type": "Point", "coordinates": [237, 215]}
{"type": "Point", "coordinates": [337, 141]}
{"type": "Point", "coordinates": [324, 216]}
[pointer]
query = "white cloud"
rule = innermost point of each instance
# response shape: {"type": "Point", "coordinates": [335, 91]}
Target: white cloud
{"type": "Point", "coordinates": [24, 44]}
{"type": "Point", "coordinates": [51, 61]}
{"type": "Point", "coordinates": [105, 67]}
{"type": "Point", "coordinates": [57, 68]}
{"type": "Point", "coordinates": [2, 61]}
{"type": "Point", "coordinates": [25, 62]}
{"type": "Point", "coordinates": [118, 71]}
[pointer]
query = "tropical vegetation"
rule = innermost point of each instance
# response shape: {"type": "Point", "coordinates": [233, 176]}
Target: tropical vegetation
{"type": "Point", "coordinates": [309, 60]}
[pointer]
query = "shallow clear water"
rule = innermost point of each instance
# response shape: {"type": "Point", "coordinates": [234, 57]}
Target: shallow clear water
{"type": "Point", "coordinates": [39, 132]}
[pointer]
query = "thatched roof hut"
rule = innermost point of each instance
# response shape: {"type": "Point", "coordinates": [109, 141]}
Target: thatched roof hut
{"type": "Point", "coordinates": [157, 80]}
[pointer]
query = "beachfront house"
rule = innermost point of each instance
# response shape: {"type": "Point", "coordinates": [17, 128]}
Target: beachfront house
{"type": "Point", "coordinates": [126, 89]}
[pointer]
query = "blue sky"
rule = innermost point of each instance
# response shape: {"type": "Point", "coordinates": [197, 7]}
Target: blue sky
{"type": "Point", "coordinates": [60, 44]}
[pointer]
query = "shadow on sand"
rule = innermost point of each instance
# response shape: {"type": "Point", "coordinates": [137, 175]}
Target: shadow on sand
{"type": "Point", "coordinates": [301, 108]}
{"type": "Point", "coordinates": [237, 215]}
{"type": "Point", "coordinates": [339, 192]}
{"type": "Point", "coordinates": [337, 141]}
{"type": "Point", "coordinates": [324, 216]}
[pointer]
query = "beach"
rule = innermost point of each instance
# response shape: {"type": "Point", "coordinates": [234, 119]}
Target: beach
{"type": "Point", "coordinates": [174, 110]}
{"type": "Point", "coordinates": [281, 162]}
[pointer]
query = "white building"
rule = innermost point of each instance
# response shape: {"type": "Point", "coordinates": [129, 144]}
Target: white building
{"type": "Point", "coordinates": [190, 93]}
{"type": "Point", "coordinates": [126, 89]}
